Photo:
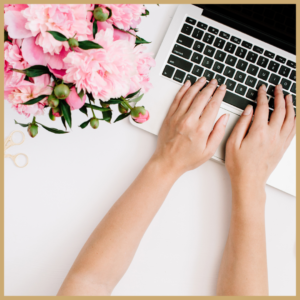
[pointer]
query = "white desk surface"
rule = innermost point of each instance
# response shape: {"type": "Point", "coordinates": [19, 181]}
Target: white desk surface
{"type": "Point", "coordinates": [53, 204]}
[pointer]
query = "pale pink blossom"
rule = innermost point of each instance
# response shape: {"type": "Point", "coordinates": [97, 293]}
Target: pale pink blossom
{"type": "Point", "coordinates": [15, 24]}
{"type": "Point", "coordinates": [74, 101]}
{"type": "Point", "coordinates": [124, 16]}
{"type": "Point", "coordinates": [142, 118]}
{"type": "Point", "coordinates": [24, 91]}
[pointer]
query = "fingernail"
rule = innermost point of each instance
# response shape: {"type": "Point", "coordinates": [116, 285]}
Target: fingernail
{"type": "Point", "coordinates": [289, 97]}
{"type": "Point", "coordinates": [225, 119]}
{"type": "Point", "coordinates": [202, 79]}
{"type": "Point", "coordinates": [187, 83]}
{"type": "Point", "coordinates": [214, 81]}
{"type": "Point", "coordinates": [280, 86]}
{"type": "Point", "coordinates": [222, 87]}
{"type": "Point", "coordinates": [263, 87]}
{"type": "Point", "coordinates": [248, 110]}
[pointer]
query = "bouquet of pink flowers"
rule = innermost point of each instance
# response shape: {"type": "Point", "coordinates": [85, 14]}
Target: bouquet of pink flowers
{"type": "Point", "coordinates": [67, 57]}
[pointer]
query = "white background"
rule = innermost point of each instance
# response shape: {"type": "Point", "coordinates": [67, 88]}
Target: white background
{"type": "Point", "coordinates": [53, 205]}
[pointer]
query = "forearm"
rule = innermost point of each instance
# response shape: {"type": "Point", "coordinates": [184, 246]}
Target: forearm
{"type": "Point", "coordinates": [243, 269]}
{"type": "Point", "coordinates": [109, 251]}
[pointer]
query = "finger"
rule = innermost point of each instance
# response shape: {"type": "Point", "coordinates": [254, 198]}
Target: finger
{"type": "Point", "coordinates": [178, 97]}
{"type": "Point", "coordinates": [189, 96]}
{"type": "Point", "coordinates": [262, 109]}
{"type": "Point", "coordinates": [279, 112]}
{"type": "Point", "coordinates": [289, 120]}
{"type": "Point", "coordinates": [241, 127]}
{"type": "Point", "coordinates": [202, 98]}
{"type": "Point", "coordinates": [292, 134]}
{"type": "Point", "coordinates": [217, 134]}
{"type": "Point", "coordinates": [210, 112]}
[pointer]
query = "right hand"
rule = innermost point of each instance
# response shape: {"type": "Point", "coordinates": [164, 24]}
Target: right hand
{"type": "Point", "coordinates": [251, 157]}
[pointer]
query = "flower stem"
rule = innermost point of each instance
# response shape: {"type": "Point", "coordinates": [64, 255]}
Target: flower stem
{"type": "Point", "coordinates": [92, 108]}
{"type": "Point", "coordinates": [126, 102]}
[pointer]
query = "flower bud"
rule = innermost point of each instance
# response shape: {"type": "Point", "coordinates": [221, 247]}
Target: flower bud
{"type": "Point", "coordinates": [51, 115]}
{"type": "Point", "coordinates": [94, 123]}
{"type": "Point", "coordinates": [56, 112]}
{"type": "Point", "coordinates": [32, 130]}
{"type": "Point", "coordinates": [99, 15]}
{"type": "Point", "coordinates": [73, 42]}
{"type": "Point", "coordinates": [140, 114]}
{"type": "Point", "coordinates": [61, 91]}
{"type": "Point", "coordinates": [122, 109]}
{"type": "Point", "coordinates": [104, 104]}
{"type": "Point", "coordinates": [52, 101]}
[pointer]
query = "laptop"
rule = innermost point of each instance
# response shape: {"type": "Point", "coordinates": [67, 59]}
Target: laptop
{"type": "Point", "coordinates": [242, 46]}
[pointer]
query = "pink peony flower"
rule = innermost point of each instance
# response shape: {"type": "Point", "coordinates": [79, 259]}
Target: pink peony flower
{"type": "Point", "coordinates": [17, 7]}
{"type": "Point", "coordinates": [74, 100]}
{"type": "Point", "coordinates": [124, 16]}
{"type": "Point", "coordinates": [142, 118]}
{"type": "Point", "coordinates": [107, 72]}
{"type": "Point", "coordinates": [24, 91]}
{"type": "Point", "coordinates": [67, 19]}
{"type": "Point", "coordinates": [15, 25]}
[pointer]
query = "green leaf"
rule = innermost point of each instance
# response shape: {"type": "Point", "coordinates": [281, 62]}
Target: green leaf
{"type": "Point", "coordinates": [90, 96]}
{"type": "Point", "coordinates": [121, 117]}
{"type": "Point", "coordinates": [107, 115]}
{"type": "Point", "coordinates": [58, 36]}
{"type": "Point", "coordinates": [84, 124]}
{"type": "Point", "coordinates": [36, 71]}
{"type": "Point", "coordinates": [137, 99]}
{"type": "Point", "coordinates": [81, 94]}
{"type": "Point", "coordinates": [114, 101]}
{"type": "Point", "coordinates": [96, 107]}
{"type": "Point", "coordinates": [86, 45]}
{"type": "Point", "coordinates": [140, 40]}
{"type": "Point", "coordinates": [63, 120]}
{"type": "Point", "coordinates": [110, 12]}
{"type": "Point", "coordinates": [133, 94]}
{"type": "Point", "coordinates": [23, 125]}
{"type": "Point", "coordinates": [146, 13]}
{"type": "Point", "coordinates": [34, 100]}
{"type": "Point", "coordinates": [53, 130]}
{"type": "Point", "coordinates": [66, 110]}
{"type": "Point", "coordinates": [95, 28]}
{"type": "Point", "coordinates": [83, 109]}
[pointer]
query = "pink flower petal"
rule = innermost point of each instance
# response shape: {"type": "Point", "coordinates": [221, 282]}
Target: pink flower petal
{"type": "Point", "coordinates": [56, 60]}
{"type": "Point", "coordinates": [57, 73]}
{"type": "Point", "coordinates": [16, 25]}
{"type": "Point", "coordinates": [33, 53]}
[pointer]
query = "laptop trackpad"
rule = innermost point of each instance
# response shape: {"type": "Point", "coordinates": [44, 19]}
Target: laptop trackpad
{"type": "Point", "coordinates": [233, 118]}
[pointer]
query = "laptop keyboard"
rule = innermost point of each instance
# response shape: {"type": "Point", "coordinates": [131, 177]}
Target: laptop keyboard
{"type": "Point", "coordinates": [202, 50]}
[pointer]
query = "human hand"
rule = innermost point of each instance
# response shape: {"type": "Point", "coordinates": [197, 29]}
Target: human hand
{"type": "Point", "coordinates": [186, 140]}
{"type": "Point", "coordinates": [251, 157]}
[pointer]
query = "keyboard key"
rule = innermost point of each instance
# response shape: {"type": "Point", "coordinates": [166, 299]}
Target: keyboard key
{"type": "Point", "coordinates": [293, 89]}
{"type": "Point", "coordinates": [185, 40]}
{"type": "Point", "coordinates": [208, 38]}
{"type": "Point", "coordinates": [263, 74]}
{"type": "Point", "coordinates": [273, 66]}
{"type": "Point", "coordinates": [284, 71]}
{"type": "Point", "coordinates": [201, 25]}
{"type": "Point", "coordinates": [181, 51]}
{"type": "Point", "coordinates": [241, 52]}
{"type": "Point", "coordinates": [274, 79]}
{"type": "Point", "coordinates": [197, 33]}
{"type": "Point", "coordinates": [271, 103]}
{"type": "Point", "coordinates": [180, 63]}
{"type": "Point", "coordinates": [258, 49]}
{"type": "Point", "coordinates": [252, 70]}
{"type": "Point", "coordinates": [251, 81]}
{"type": "Point", "coordinates": [237, 101]}
{"type": "Point", "coordinates": [260, 83]}
{"type": "Point", "coordinates": [293, 75]}
{"type": "Point", "coordinates": [230, 84]}
{"type": "Point", "coordinates": [197, 70]}
{"type": "Point", "coordinates": [220, 79]}
{"type": "Point", "coordinates": [209, 51]}
{"type": "Point", "coordinates": [271, 90]}
{"type": "Point", "coordinates": [191, 78]}
{"type": "Point", "coordinates": [190, 21]}
{"type": "Point", "coordinates": [179, 76]}
{"type": "Point", "coordinates": [168, 71]}
{"type": "Point", "coordinates": [207, 62]}
{"type": "Point", "coordinates": [241, 65]}
{"type": "Point", "coordinates": [196, 58]}
{"type": "Point", "coordinates": [229, 72]}
{"type": "Point", "coordinates": [198, 46]}
{"type": "Point", "coordinates": [213, 30]}
{"type": "Point", "coordinates": [218, 67]}
{"type": "Point", "coordinates": [252, 94]}
{"type": "Point", "coordinates": [235, 40]}
{"type": "Point", "coordinates": [219, 43]}
{"type": "Point", "coordinates": [224, 35]}
{"type": "Point", "coordinates": [240, 76]}
{"type": "Point", "coordinates": [209, 75]}
{"type": "Point", "coordinates": [280, 59]}
{"type": "Point", "coordinates": [231, 60]}
{"type": "Point", "coordinates": [291, 64]}
{"type": "Point", "coordinates": [252, 57]}
{"type": "Point", "coordinates": [285, 83]}
{"type": "Point", "coordinates": [269, 54]}
{"type": "Point", "coordinates": [187, 29]}
{"type": "Point", "coordinates": [220, 55]}
{"type": "Point", "coordinates": [246, 44]}
{"type": "Point", "coordinates": [262, 61]}
{"type": "Point", "coordinates": [230, 47]}
{"type": "Point", "coordinates": [294, 100]}
{"type": "Point", "coordinates": [241, 89]}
